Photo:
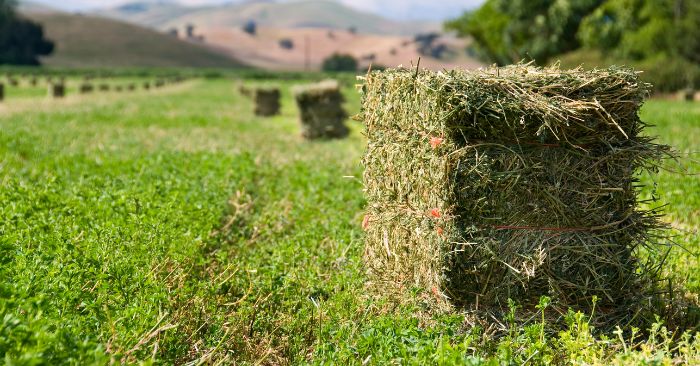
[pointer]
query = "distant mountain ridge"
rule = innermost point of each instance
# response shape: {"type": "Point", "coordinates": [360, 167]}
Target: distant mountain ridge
{"type": "Point", "coordinates": [289, 14]}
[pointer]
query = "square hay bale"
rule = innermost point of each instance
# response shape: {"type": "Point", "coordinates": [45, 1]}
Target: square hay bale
{"type": "Point", "coordinates": [57, 90]}
{"type": "Point", "coordinates": [86, 88]}
{"type": "Point", "coordinates": [267, 101]}
{"type": "Point", "coordinates": [508, 183]}
{"type": "Point", "coordinates": [321, 108]}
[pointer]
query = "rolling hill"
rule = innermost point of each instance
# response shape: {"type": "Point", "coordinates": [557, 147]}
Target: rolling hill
{"type": "Point", "coordinates": [268, 13]}
{"type": "Point", "coordinates": [89, 41]}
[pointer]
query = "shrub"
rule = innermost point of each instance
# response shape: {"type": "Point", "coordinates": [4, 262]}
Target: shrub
{"type": "Point", "coordinates": [339, 62]}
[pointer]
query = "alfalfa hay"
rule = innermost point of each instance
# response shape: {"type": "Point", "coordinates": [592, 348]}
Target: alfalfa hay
{"type": "Point", "coordinates": [508, 183]}
{"type": "Point", "coordinates": [321, 108]}
{"type": "Point", "coordinates": [267, 101]}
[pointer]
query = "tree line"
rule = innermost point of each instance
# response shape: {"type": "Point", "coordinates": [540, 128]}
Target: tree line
{"type": "Point", "coordinates": [22, 41]}
{"type": "Point", "coordinates": [654, 33]}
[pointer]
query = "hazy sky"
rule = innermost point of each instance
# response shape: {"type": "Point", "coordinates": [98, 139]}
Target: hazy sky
{"type": "Point", "coordinates": [398, 9]}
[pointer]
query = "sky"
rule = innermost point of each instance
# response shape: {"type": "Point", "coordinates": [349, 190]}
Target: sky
{"type": "Point", "coordinates": [396, 9]}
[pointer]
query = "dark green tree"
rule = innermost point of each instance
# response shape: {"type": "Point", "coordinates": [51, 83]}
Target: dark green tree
{"type": "Point", "coordinates": [506, 31]}
{"type": "Point", "coordinates": [21, 41]}
{"type": "Point", "coordinates": [338, 62]}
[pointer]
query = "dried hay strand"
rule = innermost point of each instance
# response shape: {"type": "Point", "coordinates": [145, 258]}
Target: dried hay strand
{"type": "Point", "coordinates": [510, 183]}
{"type": "Point", "coordinates": [267, 101]}
{"type": "Point", "coordinates": [57, 90]}
{"type": "Point", "coordinates": [321, 109]}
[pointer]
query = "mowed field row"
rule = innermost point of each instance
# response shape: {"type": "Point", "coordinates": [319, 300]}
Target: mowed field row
{"type": "Point", "coordinates": [174, 227]}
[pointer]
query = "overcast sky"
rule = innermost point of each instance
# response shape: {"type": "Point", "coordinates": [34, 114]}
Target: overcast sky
{"type": "Point", "coordinates": [397, 9]}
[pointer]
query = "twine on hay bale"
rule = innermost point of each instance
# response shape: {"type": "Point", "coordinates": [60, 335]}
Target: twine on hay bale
{"type": "Point", "coordinates": [321, 108]}
{"type": "Point", "coordinates": [267, 101]}
{"type": "Point", "coordinates": [57, 90]}
{"type": "Point", "coordinates": [509, 183]}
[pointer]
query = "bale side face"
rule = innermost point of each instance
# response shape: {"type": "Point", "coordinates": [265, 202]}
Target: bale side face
{"type": "Point", "coordinates": [321, 109]}
{"type": "Point", "coordinates": [506, 183]}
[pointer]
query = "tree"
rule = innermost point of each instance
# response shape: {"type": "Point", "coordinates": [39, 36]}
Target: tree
{"type": "Point", "coordinates": [21, 40]}
{"type": "Point", "coordinates": [507, 31]}
{"type": "Point", "coordinates": [250, 27]}
{"type": "Point", "coordinates": [338, 62]}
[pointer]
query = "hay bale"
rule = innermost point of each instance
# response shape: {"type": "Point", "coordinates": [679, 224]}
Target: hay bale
{"type": "Point", "coordinates": [321, 108]}
{"type": "Point", "coordinates": [267, 101]}
{"type": "Point", "coordinates": [118, 88]}
{"type": "Point", "coordinates": [688, 94]}
{"type": "Point", "coordinates": [245, 91]}
{"type": "Point", "coordinates": [131, 87]}
{"type": "Point", "coordinates": [507, 183]}
{"type": "Point", "coordinates": [33, 81]}
{"type": "Point", "coordinates": [146, 85]}
{"type": "Point", "coordinates": [86, 88]}
{"type": "Point", "coordinates": [2, 92]}
{"type": "Point", "coordinates": [57, 90]}
{"type": "Point", "coordinates": [104, 87]}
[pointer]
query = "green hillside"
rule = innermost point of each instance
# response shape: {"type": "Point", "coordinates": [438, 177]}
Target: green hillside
{"type": "Point", "coordinates": [88, 41]}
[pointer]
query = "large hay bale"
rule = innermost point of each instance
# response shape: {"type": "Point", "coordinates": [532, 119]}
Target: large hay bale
{"type": "Point", "coordinates": [321, 108]}
{"type": "Point", "coordinates": [57, 90]}
{"type": "Point", "coordinates": [507, 183]}
{"type": "Point", "coordinates": [267, 101]}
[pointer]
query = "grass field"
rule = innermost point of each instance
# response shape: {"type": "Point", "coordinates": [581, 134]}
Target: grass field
{"type": "Point", "coordinates": [174, 227]}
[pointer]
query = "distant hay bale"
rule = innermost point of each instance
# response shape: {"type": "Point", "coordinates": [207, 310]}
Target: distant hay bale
{"type": "Point", "coordinates": [245, 91]}
{"type": "Point", "coordinates": [57, 90]}
{"type": "Point", "coordinates": [104, 87]}
{"type": "Point", "coordinates": [33, 81]}
{"type": "Point", "coordinates": [688, 94]}
{"type": "Point", "coordinates": [131, 87]}
{"type": "Point", "coordinates": [159, 83]}
{"type": "Point", "coordinates": [86, 88]}
{"type": "Point", "coordinates": [321, 108]}
{"type": "Point", "coordinates": [118, 88]}
{"type": "Point", "coordinates": [267, 101]}
{"type": "Point", "coordinates": [13, 82]}
{"type": "Point", "coordinates": [146, 85]}
{"type": "Point", "coordinates": [509, 183]}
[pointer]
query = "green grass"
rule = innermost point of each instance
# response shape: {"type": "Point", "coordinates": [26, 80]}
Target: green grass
{"type": "Point", "coordinates": [174, 226]}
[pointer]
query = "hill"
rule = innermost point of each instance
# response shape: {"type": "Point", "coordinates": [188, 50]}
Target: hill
{"type": "Point", "coordinates": [313, 45]}
{"type": "Point", "coordinates": [89, 41]}
{"type": "Point", "coordinates": [294, 14]}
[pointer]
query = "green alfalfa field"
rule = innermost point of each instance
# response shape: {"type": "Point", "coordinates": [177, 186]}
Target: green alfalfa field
{"type": "Point", "coordinates": [175, 227]}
